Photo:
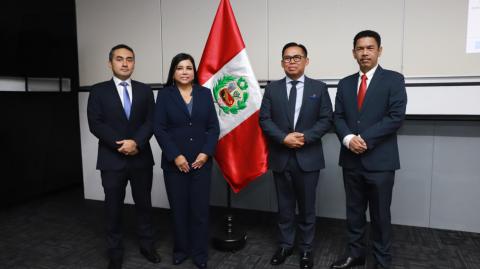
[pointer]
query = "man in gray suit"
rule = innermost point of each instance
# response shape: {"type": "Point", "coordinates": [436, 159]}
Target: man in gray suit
{"type": "Point", "coordinates": [296, 112]}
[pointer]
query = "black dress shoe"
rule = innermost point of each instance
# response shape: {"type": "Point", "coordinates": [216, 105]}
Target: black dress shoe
{"type": "Point", "coordinates": [348, 262]}
{"type": "Point", "coordinates": [306, 260]}
{"type": "Point", "coordinates": [280, 256]}
{"type": "Point", "coordinates": [178, 261]}
{"type": "Point", "coordinates": [115, 264]}
{"type": "Point", "coordinates": [379, 266]}
{"type": "Point", "coordinates": [201, 265]}
{"type": "Point", "coordinates": [150, 255]}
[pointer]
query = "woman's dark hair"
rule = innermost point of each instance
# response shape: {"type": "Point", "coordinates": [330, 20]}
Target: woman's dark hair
{"type": "Point", "coordinates": [175, 61]}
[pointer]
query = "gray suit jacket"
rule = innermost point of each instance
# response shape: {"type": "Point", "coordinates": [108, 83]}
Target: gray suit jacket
{"type": "Point", "coordinates": [314, 121]}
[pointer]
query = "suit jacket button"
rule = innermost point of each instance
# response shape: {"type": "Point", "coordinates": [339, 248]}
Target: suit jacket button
{"type": "Point", "coordinates": [191, 139]}
{"type": "Point", "coordinates": [358, 121]}
{"type": "Point", "coordinates": [190, 123]}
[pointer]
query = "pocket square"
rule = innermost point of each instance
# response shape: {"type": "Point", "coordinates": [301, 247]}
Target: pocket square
{"type": "Point", "coordinates": [314, 96]}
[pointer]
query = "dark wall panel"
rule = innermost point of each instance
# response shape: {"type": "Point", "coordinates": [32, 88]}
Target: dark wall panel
{"type": "Point", "coordinates": [39, 144]}
{"type": "Point", "coordinates": [38, 39]}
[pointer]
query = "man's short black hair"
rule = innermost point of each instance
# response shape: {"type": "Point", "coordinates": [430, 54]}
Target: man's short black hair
{"type": "Point", "coordinates": [293, 44]}
{"type": "Point", "coordinates": [119, 46]}
{"type": "Point", "coordinates": [367, 33]}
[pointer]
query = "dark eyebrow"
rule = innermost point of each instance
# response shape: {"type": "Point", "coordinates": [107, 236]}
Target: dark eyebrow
{"type": "Point", "coordinates": [121, 57]}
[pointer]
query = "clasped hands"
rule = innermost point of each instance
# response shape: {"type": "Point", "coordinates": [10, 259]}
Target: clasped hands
{"type": "Point", "coordinates": [182, 163]}
{"type": "Point", "coordinates": [357, 145]}
{"type": "Point", "coordinates": [128, 147]}
{"type": "Point", "coordinates": [294, 140]}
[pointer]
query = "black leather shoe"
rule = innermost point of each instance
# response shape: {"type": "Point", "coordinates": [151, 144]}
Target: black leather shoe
{"type": "Point", "coordinates": [280, 256]}
{"type": "Point", "coordinates": [348, 262]}
{"type": "Point", "coordinates": [150, 255]}
{"type": "Point", "coordinates": [306, 260]}
{"type": "Point", "coordinates": [379, 266]}
{"type": "Point", "coordinates": [178, 261]}
{"type": "Point", "coordinates": [115, 264]}
{"type": "Point", "coordinates": [201, 265]}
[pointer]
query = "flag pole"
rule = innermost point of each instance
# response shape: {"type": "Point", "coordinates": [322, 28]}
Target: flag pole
{"type": "Point", "coordinates": [229, 237]}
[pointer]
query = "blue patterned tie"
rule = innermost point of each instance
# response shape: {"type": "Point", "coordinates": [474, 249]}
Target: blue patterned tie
{"type": "Point", "coordinates": [127, 104]}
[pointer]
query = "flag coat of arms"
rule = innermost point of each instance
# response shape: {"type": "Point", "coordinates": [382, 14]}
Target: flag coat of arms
{"type": "Point", "coordinates": [225, 69]}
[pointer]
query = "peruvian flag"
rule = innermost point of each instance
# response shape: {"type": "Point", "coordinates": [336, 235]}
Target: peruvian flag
{"type": "Point", "coordinates": [225, 69]}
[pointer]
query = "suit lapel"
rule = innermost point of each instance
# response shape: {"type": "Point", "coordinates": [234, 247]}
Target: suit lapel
{"type": "Point", "coordinates": [284, 99]}
{"type": "Point", "coordinates": [177, 97]}
{"type": "Point", "coordinates": [116, 99]}
{"type": "Point", "coordinates": [372, 87]}
{"type": "Point", "coordinates": [195, 100]}
{"type": "Point", "coordinates": [307, 91]}
{"type": "Point", "coordinates": [133, 100]}
{"type": "Point", "coordinates": [352, 92]}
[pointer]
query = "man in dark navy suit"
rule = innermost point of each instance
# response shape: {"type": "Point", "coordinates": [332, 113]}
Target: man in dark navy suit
{"type": "Point", "coordinates": [369, 109]}
{"type": "Point", "coordinates": [120, 113]}
{"type": "Point", "coordinates": [296, 112]}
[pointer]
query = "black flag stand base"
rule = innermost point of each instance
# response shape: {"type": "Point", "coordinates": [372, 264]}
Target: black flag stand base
{"type": "Point", "coordinates": [228, 237]}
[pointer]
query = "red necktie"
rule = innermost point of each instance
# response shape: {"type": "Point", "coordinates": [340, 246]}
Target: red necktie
{"type": "Point", "coordinates": [362, 91]}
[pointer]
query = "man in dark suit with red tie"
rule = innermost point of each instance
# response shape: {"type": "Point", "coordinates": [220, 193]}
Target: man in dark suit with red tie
{"type": "Point", "coordinates": [120, 113]}
{"type": "Point", "coordinates": [369, 109]}
{"type": "Point", "coordinates": [296, 112]}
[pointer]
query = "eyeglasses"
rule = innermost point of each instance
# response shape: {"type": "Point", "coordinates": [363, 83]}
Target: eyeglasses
{"type": "Point", "coordinates": [294, 58]}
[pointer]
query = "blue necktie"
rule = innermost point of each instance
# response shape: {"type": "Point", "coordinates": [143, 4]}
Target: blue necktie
{"type": "Point", "coordinates": [127, 104]}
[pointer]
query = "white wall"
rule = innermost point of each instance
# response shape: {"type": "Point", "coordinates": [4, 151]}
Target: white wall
{"type": "Point", "coordinates": [425, 40]}
{"type": "Point", "coordinates": [435, 39]}
{"type": "Point", "coordinates": [420, 38]}
{"type": "Point", "coordinates": [105, 23]}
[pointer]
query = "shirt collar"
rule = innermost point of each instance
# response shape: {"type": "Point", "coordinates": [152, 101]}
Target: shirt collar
{"type": "Point", "coordinates": [300, 79]}
{"type": "Point", "coordinates": [369, 73]}
{"type": "Point", "coordinates": [118, 81]}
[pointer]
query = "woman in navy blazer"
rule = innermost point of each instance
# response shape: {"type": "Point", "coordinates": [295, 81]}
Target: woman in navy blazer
{"type": "Point", "coordinates": [186, 128]}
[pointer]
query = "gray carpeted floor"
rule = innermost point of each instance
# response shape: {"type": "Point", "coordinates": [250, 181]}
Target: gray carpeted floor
{"type": "Point", "coordinates": [65, 231]}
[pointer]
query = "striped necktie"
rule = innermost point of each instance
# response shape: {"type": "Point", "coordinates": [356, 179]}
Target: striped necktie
{"type": "Point", "coordinates": [127, 104]}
